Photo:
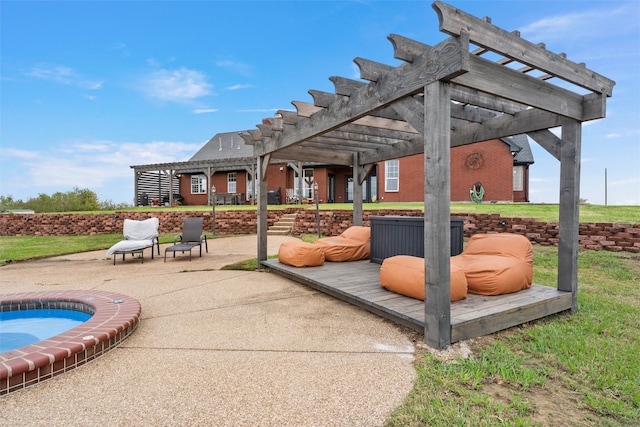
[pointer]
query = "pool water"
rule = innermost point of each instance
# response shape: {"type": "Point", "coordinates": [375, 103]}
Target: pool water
{"type": "Point", "coordinates": [19, 328]}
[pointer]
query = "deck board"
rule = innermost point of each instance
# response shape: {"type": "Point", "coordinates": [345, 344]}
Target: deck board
{"type": "Point", "coordinates": [358, 283]}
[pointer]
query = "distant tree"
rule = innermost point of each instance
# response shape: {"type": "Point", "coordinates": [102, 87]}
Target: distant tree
{"type": "Point", "coordinates": [78, 200]}
{"type": "Point", "coordinates": [7, 203]}
{"type": "Point", "coordinates": [109, 205]}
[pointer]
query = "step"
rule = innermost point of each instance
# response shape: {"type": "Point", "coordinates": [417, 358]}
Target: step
{"type": "Point", "coordinates": [278, 227]}
{"type": "Point", "coordinates": [283, 226]}
{"type": "Point", "coordinates": [278, 232]}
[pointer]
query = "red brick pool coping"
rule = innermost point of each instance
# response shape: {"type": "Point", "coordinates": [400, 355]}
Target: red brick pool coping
{"type": "Point", "coordinates": [114, 318]}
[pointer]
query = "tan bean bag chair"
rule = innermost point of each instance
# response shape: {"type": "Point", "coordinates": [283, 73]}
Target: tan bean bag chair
{"type": "Point", "coordinates": [496, 264]}
{"type": "Point", "coordinates": [300, 254]}
{"type": "Point", "coordinates": [404, 274]}
{"type": "Point", "coordinates": [352, 245]}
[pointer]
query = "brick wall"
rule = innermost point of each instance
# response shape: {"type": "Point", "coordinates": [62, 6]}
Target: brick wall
{"type": "Point", "coordinates": [489, 163]}
{"type": "Point", "coordinates": [597, 236]}
{"type": "Point", "coordinates": [227, 222]}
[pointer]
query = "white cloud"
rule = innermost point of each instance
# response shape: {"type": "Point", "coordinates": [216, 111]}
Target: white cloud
{"type": "Point", "coordinates": [55, 73]}
{"type": "Point", "coordinates": [238, 86]}
{"type": "Point", "coordinates": [205, 110]}
{"type": "Point", "coordinates": [590, 24]}
{"type": "Point", "coordinates": [7, 153]}
{"type": "Point", "coordinates": [92, 164]}
{"type": "Point", "coordinates": [176, 85]}
{"type": "Point", "coordinates": [63, 75]}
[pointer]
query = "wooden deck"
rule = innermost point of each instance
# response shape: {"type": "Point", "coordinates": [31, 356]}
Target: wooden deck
{"type": "Point", "coordinates": [358, 283]}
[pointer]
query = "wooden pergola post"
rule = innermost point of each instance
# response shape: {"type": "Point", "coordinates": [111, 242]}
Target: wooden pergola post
{"type": "Point", "coordinates": [569, 209]}
{"type": "Point", "coordinates": [263, 162]}
{"type": "Point", "coordinates": [357, 192]}
{"type": "Point", "coordinates": [437, 214]}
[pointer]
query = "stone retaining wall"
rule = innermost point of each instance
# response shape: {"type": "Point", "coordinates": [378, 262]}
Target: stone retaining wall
{"type": "Point", "coordinates": [597, 236]}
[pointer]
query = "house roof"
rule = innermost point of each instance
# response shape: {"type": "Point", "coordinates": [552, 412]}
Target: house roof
{"type": "Point", "coordinates": [519, 144]}
{"type": "Point", "coordinates": [224, 152]}
{"type": "Point", "coordinates": [227, 145]}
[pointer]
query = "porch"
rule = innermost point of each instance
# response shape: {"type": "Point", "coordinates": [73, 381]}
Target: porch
{"type": "Point", "coordinates": [358, 283]}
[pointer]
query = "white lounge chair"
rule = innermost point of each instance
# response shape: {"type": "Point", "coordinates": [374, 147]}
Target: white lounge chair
{"type": "Point", "coordinates": [138, 235]}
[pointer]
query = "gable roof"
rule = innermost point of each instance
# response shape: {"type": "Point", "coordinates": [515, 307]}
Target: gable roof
{"type": "Point", "coordinates": [519, 144]}
{"type": "Point", "coordinates": [227, 145]}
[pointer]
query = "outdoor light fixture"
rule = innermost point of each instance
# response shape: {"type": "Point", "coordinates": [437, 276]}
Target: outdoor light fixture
{"type": "Point", "coordinates": [213, 209]}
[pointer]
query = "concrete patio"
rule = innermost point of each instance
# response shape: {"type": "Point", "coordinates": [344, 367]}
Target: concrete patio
{"type": "Point", "coordinates": [217, 347]}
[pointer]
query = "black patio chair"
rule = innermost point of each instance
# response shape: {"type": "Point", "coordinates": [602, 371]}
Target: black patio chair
{"type": "Point", "coordinates": [191, 237]}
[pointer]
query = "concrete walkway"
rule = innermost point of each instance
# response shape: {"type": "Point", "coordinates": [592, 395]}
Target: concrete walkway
{"type": "Point", "coordinates": [217, 348]}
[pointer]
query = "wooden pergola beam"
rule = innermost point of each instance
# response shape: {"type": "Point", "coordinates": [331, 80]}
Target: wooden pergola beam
{"type": "Point", "coordinates": [454, 21]}
{"type": "Point", "coordinates": [445, 61]}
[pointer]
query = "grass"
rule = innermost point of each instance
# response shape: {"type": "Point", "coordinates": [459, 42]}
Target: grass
{"type": "Point", "coordinates": [24, 248]}
{"type": "Point", "coordinates": [580, 369]}
{"type": "Point", "coordinates": [21, 248]}
{"type": "Point", "coordinates": [570, 370]}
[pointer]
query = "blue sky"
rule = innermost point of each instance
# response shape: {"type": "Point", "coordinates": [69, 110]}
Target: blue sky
{"type": "Point", "coordinates": [89, 88]}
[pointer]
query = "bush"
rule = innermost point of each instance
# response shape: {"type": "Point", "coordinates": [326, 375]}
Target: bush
{"type": "Point", "coordinates": [78, 200]}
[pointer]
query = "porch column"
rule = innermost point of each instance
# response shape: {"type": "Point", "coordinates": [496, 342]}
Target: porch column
{"type": "Point", "coordinates": [437, 216]}
{"type": "Point", "coordinates": [136, 176]}
{"type": "Point", "coordinates": [210, 172]}
{"type": "Point", "coordinates": [263, 162]}
{"type": "Point", "coordinates": [569, 209]}
{"type": "Point", "coordinates": [300, 182]}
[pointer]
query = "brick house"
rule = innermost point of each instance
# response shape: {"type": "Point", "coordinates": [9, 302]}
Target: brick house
{"type": "Point", "coordinates": [500, 166]}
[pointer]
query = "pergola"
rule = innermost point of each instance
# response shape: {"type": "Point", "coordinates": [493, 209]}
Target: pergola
{"type": "Point", "coordinates": [480, 83]}
{"type": "Point", "coordinates": [206, 167]}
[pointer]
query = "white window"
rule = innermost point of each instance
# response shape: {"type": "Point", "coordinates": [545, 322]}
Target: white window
{"type": "Point", "coordinates": [392, 175]}
{"type": "Point", "coordinates": [198, 184]}
{"type": "Point", "coordinates": [231, 182]}
{"type": "Point", "coordinates": [518, 178]}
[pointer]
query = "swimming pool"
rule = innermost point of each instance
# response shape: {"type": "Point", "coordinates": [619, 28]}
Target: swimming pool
{"type": "Point", "coordinates": [19, 328]}
{"type": "Point", "coordinates": [113, 318]}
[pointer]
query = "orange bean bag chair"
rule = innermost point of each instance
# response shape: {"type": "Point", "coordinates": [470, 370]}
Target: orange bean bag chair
{"type": "Point", "coordinates": [404, 274]}
{"type": "Point", "coordinates": [352, 245]}
{"type": "Point", "coordinates": [300, 254]}
{"type": "Point", "coordinates": [496, 264]}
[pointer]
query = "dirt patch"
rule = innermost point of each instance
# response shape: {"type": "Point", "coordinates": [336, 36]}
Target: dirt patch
{"type": "Point", "coordinates": [551, 405]}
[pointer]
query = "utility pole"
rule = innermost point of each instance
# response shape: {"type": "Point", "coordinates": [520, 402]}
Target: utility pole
{"type": "Point", "coordinates": [605, 186]}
